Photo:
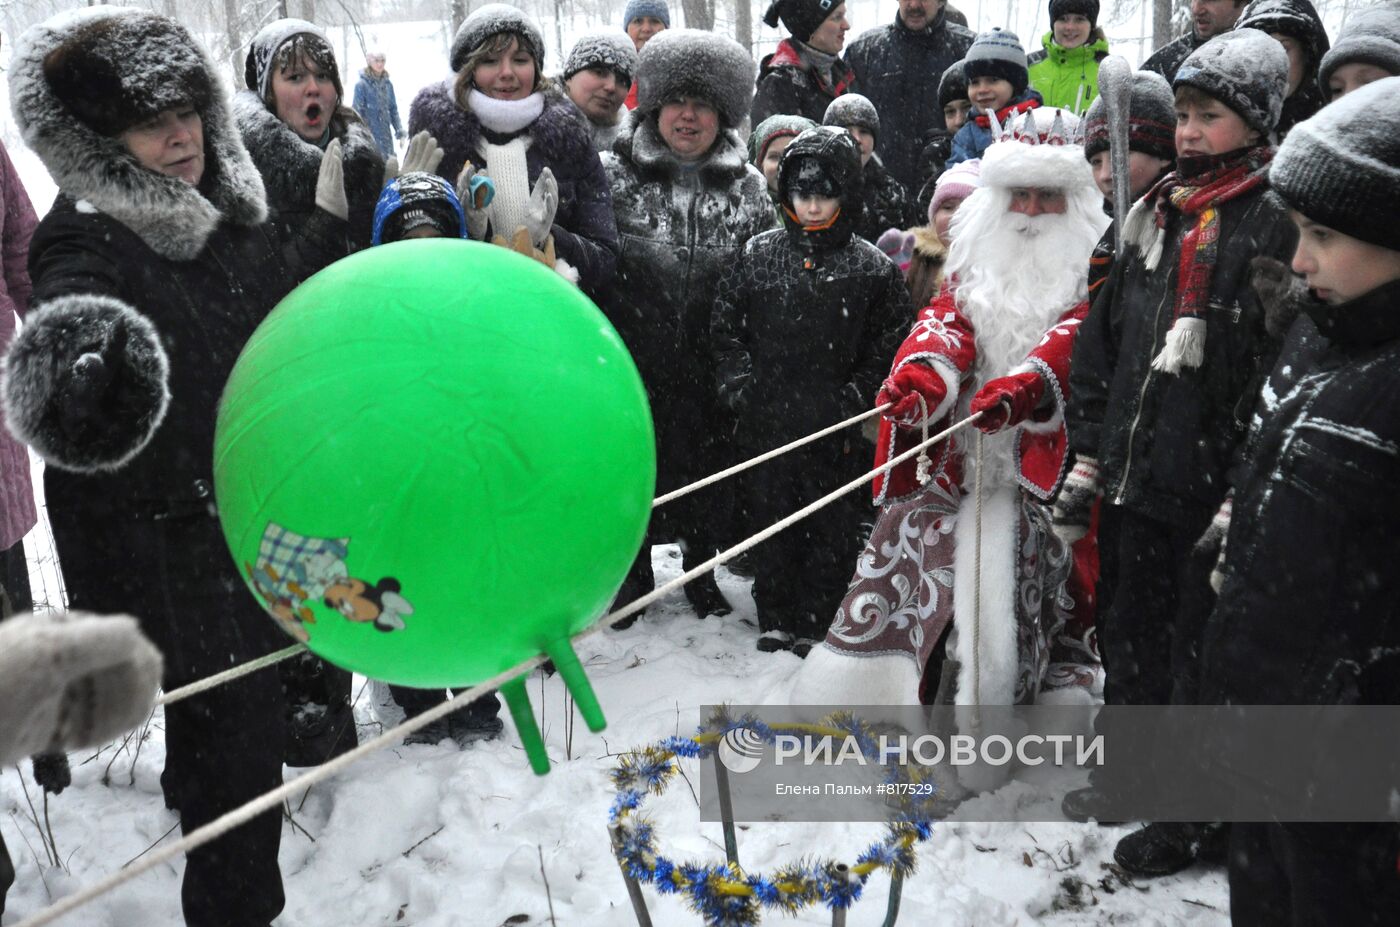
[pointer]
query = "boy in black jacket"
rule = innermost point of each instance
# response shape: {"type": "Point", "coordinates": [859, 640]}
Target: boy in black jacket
{"type": "Point", "coordinates": [1308, 610]}
{"type": "Point", "coordinates": [1165, 372]}
{"type": "Point", "coordinates": [805, 326]}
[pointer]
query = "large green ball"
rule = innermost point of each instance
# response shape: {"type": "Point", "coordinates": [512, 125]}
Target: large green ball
{"type": "Point", "coordinates": [434, 459]}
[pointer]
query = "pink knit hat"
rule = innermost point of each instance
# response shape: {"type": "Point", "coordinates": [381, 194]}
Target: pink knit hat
{"type": "Point", "coordinates": [957, 181]}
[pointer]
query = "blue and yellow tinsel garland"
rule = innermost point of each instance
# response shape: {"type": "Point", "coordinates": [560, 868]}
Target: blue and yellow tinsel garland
{"type": "Point", "coordinates": [722, 894]}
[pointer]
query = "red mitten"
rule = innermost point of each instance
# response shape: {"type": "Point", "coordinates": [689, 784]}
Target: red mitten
{"type": "Point", "coordinates": [1008, 401]}
{"type": "Point", "coordinates": [905, 386]}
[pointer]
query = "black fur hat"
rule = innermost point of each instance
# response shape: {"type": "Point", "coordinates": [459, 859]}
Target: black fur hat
{"type": "Point", "coordinates": [116, 72]}
{"type": "Point", "coordinates": [681, 62]}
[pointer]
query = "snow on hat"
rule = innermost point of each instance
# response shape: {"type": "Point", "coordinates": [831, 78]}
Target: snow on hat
{"type": "Point", "coordinates": [602, 50]}
{"type": "Point", "coordinates": [779, 125]}
{"type": "Point", "coordinates": [1369, 37]}
{"type": "Point", "coordinates": [1089, 9]}
{"type": "Point", "coordinates": [852, 109]}
{"type": "Point", "coordinates": [952, 85]}
{"type": "Point", "coordinates": [257, 67]}
{"type": "Point", "coordinates": [1151, 119]}
{"type": "Point", "coordinates": [656, 9]}
{"type": "Point", "coordinates": [492, 20]}
{"type": "Point", "coordinates": [957, 182]}
{"type": "Point", "coordinates": [998, 54]}
{"type": "Point", "coordinates": [801, 17]}
{"type": "Point", "coordinates": [114, 71]}
{"type": "Point", "coordinates": [693, 62]}
{"type": "Point", "coordinates": [414, 199]}
{"type": "Point", "coordinates": [1245, 69]}
{"type": "Point", "coordinates": [1038, 150]}
{"type": "Point", "coordinates": [1342, 167]}
{"type": "Point", "coordinates": [1296, 19]}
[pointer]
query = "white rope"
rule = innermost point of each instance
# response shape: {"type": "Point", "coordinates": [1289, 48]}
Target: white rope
{"type": "Point", "coordinates": [252, 666]}
{"type": "Point", "coordinates": [228, 675]}
{"type": "Point", "coordinates": [977, 586]}
{"type": "Point", "coordinates": [270, 800]}
{"type": "Point", "coordinates": [763, 458]}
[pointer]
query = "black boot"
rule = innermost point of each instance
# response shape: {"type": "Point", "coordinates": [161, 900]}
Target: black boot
{"type": "Point", "coordinates": [1162, 849]}
{"type": "Point", "coordinates": [702, 592]}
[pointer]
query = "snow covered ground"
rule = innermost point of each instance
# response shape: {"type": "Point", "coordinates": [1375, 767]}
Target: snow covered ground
{"type": "Point", "coordinates": [431, 836]}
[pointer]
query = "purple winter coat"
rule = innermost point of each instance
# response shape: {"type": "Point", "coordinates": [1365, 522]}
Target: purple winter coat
{"type": "Point", "coordinates": [17, 222]}
{"type": "Point", "coordinates": [585, 232]}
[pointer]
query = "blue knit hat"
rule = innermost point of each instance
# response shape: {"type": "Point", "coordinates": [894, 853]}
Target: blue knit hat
{"type": "Point", "coordinates": [656, 9]}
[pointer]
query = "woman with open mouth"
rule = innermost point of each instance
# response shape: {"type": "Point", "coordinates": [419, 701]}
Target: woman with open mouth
{"type": "Point", "coordinates": [501, 116]}
{"type": "Point", "coordinates": [289, 113]}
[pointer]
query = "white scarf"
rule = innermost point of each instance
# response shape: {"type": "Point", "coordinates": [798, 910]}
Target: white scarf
{"type": "Point", "coordinates": [505, 117]}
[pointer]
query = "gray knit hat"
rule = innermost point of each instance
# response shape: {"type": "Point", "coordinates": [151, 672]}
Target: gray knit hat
{"type": "Point", "coordinates": [656, 9]}
{"type": "Point", "coordinates": [603, 50]}
{"type": "Point", "coordinates": [1342, 167]}
{"type": "Point", "coordinates": [779, 125]}
{"type": "Point", "coordinates": [997, 53]}
{"type": "Point", "coordinates": [693, 62]}
{"type": "Point", "coordinates": [491, 20]}
{"type": "Point", "coordinates": [1245, 69]}
{"type": "Point", "coordinates": [852, 109]}
{"type": "Point", "coordinates": [1369, 37]}
{"type": "Point", "coordinates": [1151, 119]}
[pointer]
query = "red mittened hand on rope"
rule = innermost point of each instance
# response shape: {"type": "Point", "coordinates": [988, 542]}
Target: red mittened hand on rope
{"type": "Point", "coordinates": [1008, 400]}
{"type": "Point", "coordinates": [905, 386]}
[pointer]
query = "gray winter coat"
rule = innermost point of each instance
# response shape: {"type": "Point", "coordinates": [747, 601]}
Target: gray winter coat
{"type": "Point", "coordinates": [898, 69]}
{"type": "Point", "coordinates": [677, 229]}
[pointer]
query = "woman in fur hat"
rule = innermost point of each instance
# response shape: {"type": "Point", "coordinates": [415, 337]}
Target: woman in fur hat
{"type": "Point", "coordinates": [499, 114]}
{"type": "Point", "coordinates": [151, 271]}
{"type": "Point", "coordinates": [686, 200]}
{"type": "Point", "coordinates": [291, 109]}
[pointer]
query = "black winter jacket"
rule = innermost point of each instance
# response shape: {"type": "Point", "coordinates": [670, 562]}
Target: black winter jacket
{"type": "Point", "coordinates": [585, 234]}
{"type": "Point", "coordinates": [788, 84]}
{"type": "Point", "coordinates": [1165, 442]}
{"type": "Point", "coordinates": [886, 202]}
{"type": "Point", "coordinates": [1310, 609]}
{"type": "Point", "coordinates": [1168, 59]}
{"type": "Point", "coordinates": [678, 228]}
{"type": "Point", "coordinates": [806, 325]}
{"type": "Point", "coordinates": [289, 166]}
{"type": "Point", "coordinates": [899, 70]}
{"type": "Point", "coordinates": [1298, 19]}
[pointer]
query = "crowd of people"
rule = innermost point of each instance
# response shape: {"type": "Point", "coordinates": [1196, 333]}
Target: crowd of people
{"type": "Point", "coordinates": [1177, 479]}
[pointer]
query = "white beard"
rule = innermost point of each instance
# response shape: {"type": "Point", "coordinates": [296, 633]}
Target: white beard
{"type": "Point", "coordinates": [1016, 275]}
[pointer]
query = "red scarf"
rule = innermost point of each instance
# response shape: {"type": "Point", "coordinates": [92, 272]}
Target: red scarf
{"type": "Point", "coordinates": [1006, 112]}
{"type": "Point", "coordinates": [833, 85]}
{"type": "Point", "coordinates": [1197, 189]}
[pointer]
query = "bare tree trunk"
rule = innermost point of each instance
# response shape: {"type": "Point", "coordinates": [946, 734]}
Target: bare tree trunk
{"type": "Point", "coordinates": [743, 24]}
{"type": "Point", "coordinates": [699, 14]}
{"type": "Point", "coordinates": [1162, 22]}
{"type": "Point", "coordinates": [559, 30]}
{"type": "Point", "coordinates": [458, 10]}
{"type": "Point", "coordinates": [235, 40]}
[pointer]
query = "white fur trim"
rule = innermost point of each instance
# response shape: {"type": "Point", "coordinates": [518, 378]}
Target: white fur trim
{"type": "Point", "coordinates": [566, 270]}
{"type": "Point", "coordinates": [1056, 420]}
{"type": "Point", "coordinates": [1185, 347]}
{"type": "Point", "coordinates": [832, 677]}
{"type": "Point", "coordinates": [1016, 164]}
{"type": "Point", "coordinates": [996, 654]}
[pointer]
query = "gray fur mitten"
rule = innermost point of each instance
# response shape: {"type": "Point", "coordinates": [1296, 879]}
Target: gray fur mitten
{"type": "Point", "coordinates": [85, 382]}
{"type": "Point", "coordinates": [71, 680]}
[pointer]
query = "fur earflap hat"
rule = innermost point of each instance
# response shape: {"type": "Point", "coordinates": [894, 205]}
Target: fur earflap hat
{"type": "Point", "coordinates": [492, 20]}
{"type": "Point", "coordinates": [114, 72]}
{"type": "Point", "coordinates": [1151, 119]}
{"type": "Point", "coordinates": [1342, 167]}
{"type": "Point", "coordinates": [801, 17]}
{"type": "Point", "coordinates": [692, 62]}
{"type": "Point", "coordinates": [1245, 69]}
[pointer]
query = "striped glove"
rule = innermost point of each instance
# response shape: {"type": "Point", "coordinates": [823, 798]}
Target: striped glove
{"type": "Point", "coordinates": [1075, 505]}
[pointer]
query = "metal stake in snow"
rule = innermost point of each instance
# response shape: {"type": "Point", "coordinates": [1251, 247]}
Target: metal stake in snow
{"type": "Point", "coordinates": [1116, 88]}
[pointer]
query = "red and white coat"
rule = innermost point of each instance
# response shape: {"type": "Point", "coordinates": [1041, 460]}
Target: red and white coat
{"type": "Point", "coordinates": [944, 339]}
